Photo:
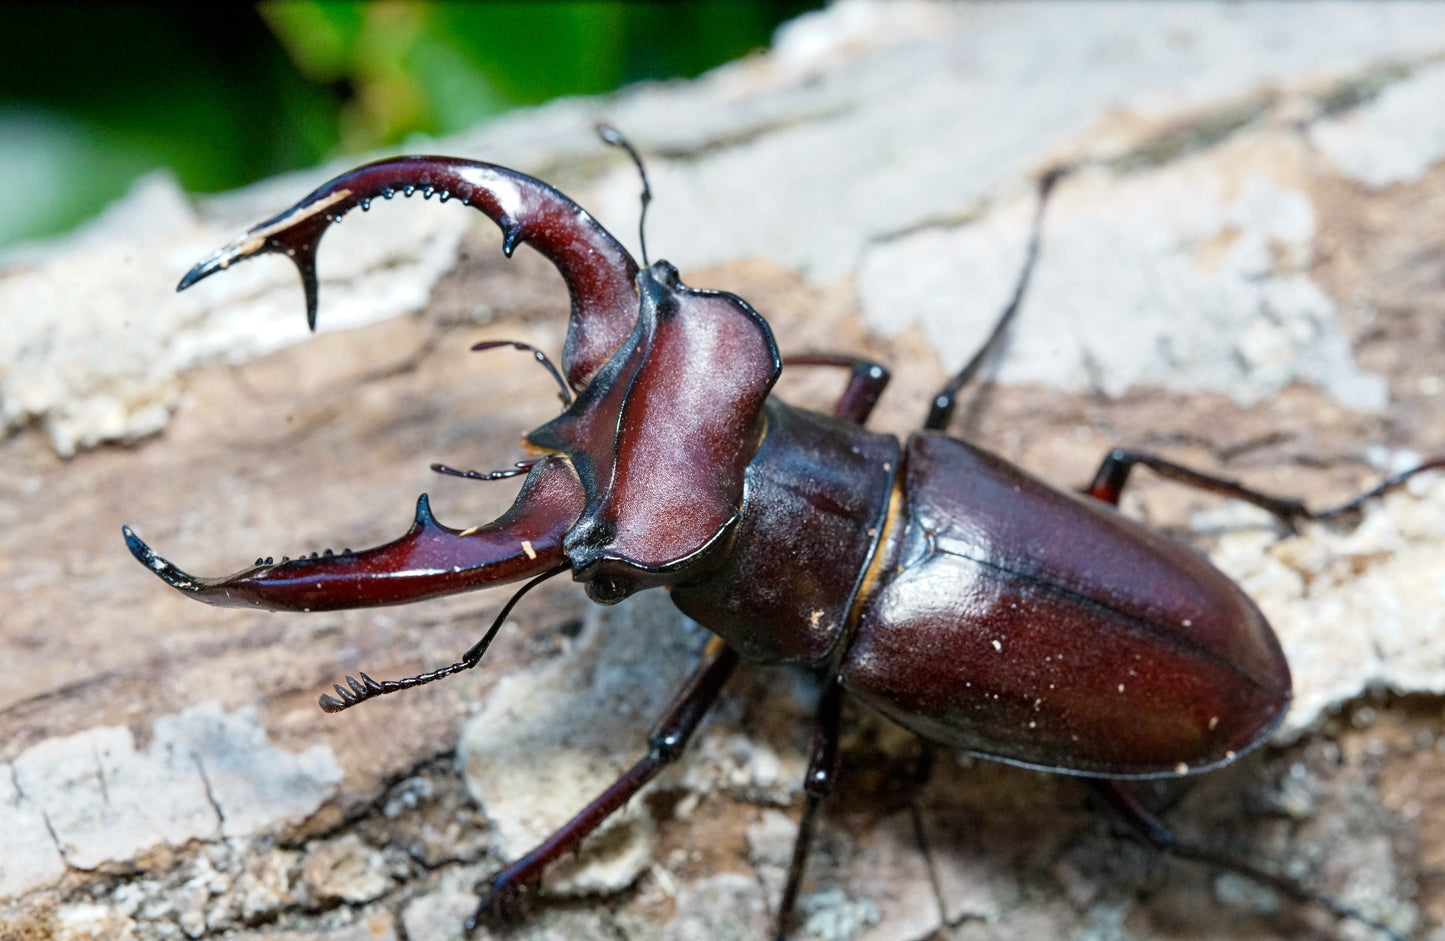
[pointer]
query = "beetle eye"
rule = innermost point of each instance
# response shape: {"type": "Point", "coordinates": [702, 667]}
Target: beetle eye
{"type": "Point", "coordinates": [605, 589]}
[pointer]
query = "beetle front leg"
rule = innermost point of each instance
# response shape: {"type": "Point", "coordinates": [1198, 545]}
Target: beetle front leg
{"type": "Point", "coordinates": [430, 560]}
{"type": "Point", "coordinates": [507, 890]}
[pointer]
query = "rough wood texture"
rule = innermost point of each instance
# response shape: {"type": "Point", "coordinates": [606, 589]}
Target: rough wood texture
{"type": "Point", "coordinates": [1244, 273]}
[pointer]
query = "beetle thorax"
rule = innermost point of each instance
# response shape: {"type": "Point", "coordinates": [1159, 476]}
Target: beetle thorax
{"type": "Point", "coordinates": [661, 435]}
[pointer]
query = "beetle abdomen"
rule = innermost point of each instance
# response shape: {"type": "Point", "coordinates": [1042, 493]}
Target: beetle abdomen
{"type": "Point", "coordinates": [1044, 629]}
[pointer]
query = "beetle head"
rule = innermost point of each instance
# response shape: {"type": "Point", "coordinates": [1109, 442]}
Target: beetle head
{"type": "Point", "coordinates": [670, 385]}
{"type": "Point", "coordinates": [661, 435]}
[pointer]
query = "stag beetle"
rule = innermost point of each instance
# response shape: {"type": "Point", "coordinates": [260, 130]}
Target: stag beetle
{"type": "Point", "coordinates": [954, 593]}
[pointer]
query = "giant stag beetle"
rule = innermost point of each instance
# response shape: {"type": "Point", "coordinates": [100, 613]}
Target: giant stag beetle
{"type": "Point", "coordinates": [952, 592]}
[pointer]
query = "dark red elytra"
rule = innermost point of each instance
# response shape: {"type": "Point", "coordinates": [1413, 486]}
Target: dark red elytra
{"type": "Point", "coordinates": [951, 591]}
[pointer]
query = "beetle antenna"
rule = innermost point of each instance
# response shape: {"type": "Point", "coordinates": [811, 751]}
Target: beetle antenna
{"type": "Point", "coordinates": [564, 394]}
{"type": "Point", "coordinates": [360, 690]}
{"type": "Point", "coordinates": [610, 135]}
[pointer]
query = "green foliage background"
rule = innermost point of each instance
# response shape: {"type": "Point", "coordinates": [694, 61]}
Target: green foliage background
{"type": "Point", "coordinates": [93, 95]}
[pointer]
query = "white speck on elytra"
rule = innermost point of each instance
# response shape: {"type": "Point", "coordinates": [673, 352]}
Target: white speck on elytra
{"type": "Point", "coordinates": [527, 548]}
{"type": "Point", "coordinates": [1181, 768]}
{"type": "Point", "coordinates": [1213, 722]}
{"type": "Point", "coordinates": [998, 645]}
{"type": "Point", "coordinates": [1121, 687]}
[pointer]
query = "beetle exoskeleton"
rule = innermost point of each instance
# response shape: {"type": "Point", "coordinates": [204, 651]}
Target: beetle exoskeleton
{"type": "Point", "coordinates": [954, 593]}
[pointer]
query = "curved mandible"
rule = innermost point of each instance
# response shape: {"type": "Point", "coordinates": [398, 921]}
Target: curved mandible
{"type": "Point", "coordinates": [428, 561]}
{"type": "Point", "coordinates": [600, 274]}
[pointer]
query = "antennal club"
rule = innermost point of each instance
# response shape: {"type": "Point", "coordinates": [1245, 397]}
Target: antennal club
{"type": "Point", "coordinates": [610, 135]}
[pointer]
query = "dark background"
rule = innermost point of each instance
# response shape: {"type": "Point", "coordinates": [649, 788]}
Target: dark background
{"type": "Point", "coordinates": [93, 95]}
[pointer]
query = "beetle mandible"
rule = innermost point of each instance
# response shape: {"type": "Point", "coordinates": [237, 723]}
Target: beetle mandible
{"type": "Point", "coordinates": [927, 578]}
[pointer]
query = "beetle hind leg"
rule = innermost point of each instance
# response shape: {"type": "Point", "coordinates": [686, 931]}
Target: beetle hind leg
{"type": "Point", "coordinates": [1148, 827]}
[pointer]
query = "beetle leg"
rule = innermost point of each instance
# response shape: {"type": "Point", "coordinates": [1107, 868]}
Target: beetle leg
{"type": "Point", "coordinates": [940, 411]}
{"type": "Point", "coordinates": [865, 385]}
{"type": "Point", "coordinates": [430, 560]}
{"type": "Point", "coordinates": [1148, 827]}
{"type": "Point", "coordinates": [507, 890]}
{"type": "Point", "coordinates": [1113, 473]}
{"type": "Point", "coordinates": [817, 784]}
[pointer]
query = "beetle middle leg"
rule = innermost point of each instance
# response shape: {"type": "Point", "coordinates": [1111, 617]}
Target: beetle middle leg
{"type": "Point", "coordinates": [865, 383]}
{"type": "Point", "coordinates": [817, 785]}
{"type": "Point", "coordinates": [940, 410]}
{"type": "Point", "coordinates": [868, 379]}
{"type": "Point", "coordinates": [1113, 473]}
{"type": "Point", "coordinates": [504, 892]}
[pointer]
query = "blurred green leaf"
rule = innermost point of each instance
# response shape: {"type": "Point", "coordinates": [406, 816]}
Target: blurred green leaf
{"type": "Point", "coordinates": [93, 95]}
